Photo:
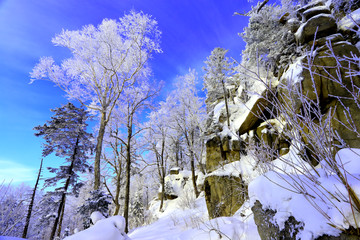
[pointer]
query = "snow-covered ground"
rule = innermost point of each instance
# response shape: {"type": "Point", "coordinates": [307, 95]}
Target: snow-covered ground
{"type": "Point", "coordinates": [190, 224]}
{"type": "Point", "coordinates": [186, 217]}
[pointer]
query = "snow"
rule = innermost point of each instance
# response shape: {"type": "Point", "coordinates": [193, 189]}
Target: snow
{"type": "Point", "coordinates": [193, 224]}
{"type": "Point", "coordinates": [96, 216]}
{"type": "Point", "coordinates": [246, 168]}
{"type": "Point", "coordinates": [186, 218]}
{"type": "Point", "coordinates": [10, 238]}
{"type": "Point", "coordinates": [175, 169]}
{"type": "Point", "coordinates": [238, 116]}
{"type": "Point", "coordinates": [176, 182]}
{"type": "Point", "coordinates": [347, 158]}
{"type": "Point", "coordinates": [111, 228]}
{"type": "Point", "coordinates": [217, 110]}
{"type": "Point", "coordinates": [317, 208]}
{"type": "Point", "coordinates": [294, 74]}
{"type": "Point", "coordinates": [350, 21]}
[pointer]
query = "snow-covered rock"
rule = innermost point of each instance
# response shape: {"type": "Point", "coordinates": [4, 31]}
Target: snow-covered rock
{"type": "Point", "coordinates": [96, 216]}
{"type": "Point", "coordinates": [175, 183]}
{"type": "Point", "coordinates": [112, 228]}
{"type": "Point", "coordinates": [312, 198]}
{"type": "Point", "coordinates": [321, 25]}
{"type": "Point", "coordinates": [350, 21]}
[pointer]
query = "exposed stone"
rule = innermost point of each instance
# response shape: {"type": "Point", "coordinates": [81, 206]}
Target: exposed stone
{"type": "Point", "coordinates": [218, 152]}
{"type": "Point", "coordinates": [322, 82]}
{"type": "Point", "coordinates": [350, 21]}
{"type": "Point", "coordinates": [256, 112]}
{"type": "Point", "coordinates": [224, 195]}
{"type": "Point", "coordinates": [283, 151]}
{"type": "Point", "coordinates": [214, 153]}
{"type": "Point", "coordinates": [310, 5]}
{"type": "Point", "coordinates": [293, 24]}
{"type": "Point", "coordinates": [311, 12]}
{"type": "Point", "coordinates": [238, 145]}
{"type": "Point", "coordinates": [283, 19]}
{"type": "Point", "coordinates": [174, 171]}
{"type": "Point", "coordinates": [226, 144]}
{"type": "Point", "coordinates": [345, 120]}
{"type": "Point", "coordinates": [268, 132]}
{"type": "Point", "coordinates": [268, 228]}
{"type": "Point", "coordinates": [325, 72]}
{"type": "Point", "coordinates": [321, 25]}
{"type": "Point", "coordinates": [338, 37]}
{"type": "Point", "coordinates": [349, 234]}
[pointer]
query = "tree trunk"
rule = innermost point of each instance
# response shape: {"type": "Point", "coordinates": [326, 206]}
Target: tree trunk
{"type": "Point", "coordinates": [128, 168]}
{"type": "Point", "coordinates": [162, 171]}
{"type": "Point", "coordinates": [162, 182]}
{"type": "Point", "coordinates": [226, 103]}
{"type": "Point", "coordinates": [98, 150]}
{"type": "Point", "coordinates": [63, 196]}
{"type": "Point", "coordinates": [28, 216]}
{"type": "Point", "coordinates": [177, 149]}
{"type": "Point", "coordinates": [190, 143]}
{"type": "Point", "coordinates": [117, 194]}
{"type": "Point", "coordinates": [193, 176]}
{"type": "Point", "coordinates": [61, 219]}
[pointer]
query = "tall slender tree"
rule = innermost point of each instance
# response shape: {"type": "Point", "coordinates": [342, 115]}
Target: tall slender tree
{"type": "Point", "coordinates": [105, 60]}
{"type": "Point", "coordinates": [66, 136]}
{"type": "Point", "coordinates": [188, 115]}
{"type": "Point", "coordinates": [132, 103]}
{"type": "Point", "coordinates": [31, 204]}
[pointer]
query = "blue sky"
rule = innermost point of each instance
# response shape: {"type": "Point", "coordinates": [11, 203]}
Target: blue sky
{"type": "Point", "coordinates": [190, 30]}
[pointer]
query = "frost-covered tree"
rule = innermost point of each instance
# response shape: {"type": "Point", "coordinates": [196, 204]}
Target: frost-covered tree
{"type": "Point", "coordinates": [13, 208]}
{"type": "Point", "coordinates": [135, 99]}
{"type": "Point", "coordinates": [137, 208]}
{"type": "Point", "coordinates": [268, 41]}
{"type": "Point", "coordinates": [114, 158]}
{"type": "Point", "coordinates": [66, 136]}
{"type": "Point", "coordinates": [188, 115]}
{"type": "Point", "coordinates": [218, 69]}
{"type": "Point", "coordinates": [105, 60]}
{"type": "Point", "coordinates": [157, 136]}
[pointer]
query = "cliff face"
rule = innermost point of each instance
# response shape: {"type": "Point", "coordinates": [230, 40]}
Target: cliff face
{"type": "Point", "coordinates": [313, 95]}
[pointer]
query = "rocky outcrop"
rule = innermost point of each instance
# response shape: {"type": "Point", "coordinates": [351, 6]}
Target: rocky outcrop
{"type": "Point", "coordinates": [269, 134]}
{"type": "Point", "coordinates": [321, 25]}
{"type": "Point", "coordinates": [321, 76]}
{"type": "Point", "coordinates": [222, 151]}
{"type": "Point", "coordinates": [224, 195]}
{"type": "Point", "coordinates": [256, 112]}
{"type": "Point", "coordinates": [269, 229]}
{"type": "Point", "coordinates": [343, 236]}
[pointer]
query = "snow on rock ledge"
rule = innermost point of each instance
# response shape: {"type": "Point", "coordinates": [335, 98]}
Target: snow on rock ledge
{"type": "Point", "coordinates": [350, 21]}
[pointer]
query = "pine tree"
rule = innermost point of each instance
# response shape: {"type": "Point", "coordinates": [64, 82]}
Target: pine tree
{"type": "Point", "coordinates": [66, 136]}
{"type": "Point", "coordinates": [98, 201]}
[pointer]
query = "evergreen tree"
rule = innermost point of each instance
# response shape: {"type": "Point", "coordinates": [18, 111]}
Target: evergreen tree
{"type": "Point", "coordinates": [66, 136]}
{"type": "Point", "coordinates": [138, 209]}
{"type": "Point", "coordinates": [98, 201]}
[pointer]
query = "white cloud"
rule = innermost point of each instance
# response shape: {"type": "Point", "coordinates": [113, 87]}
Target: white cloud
{"type": "Point", "coordinates": [15, 172]}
